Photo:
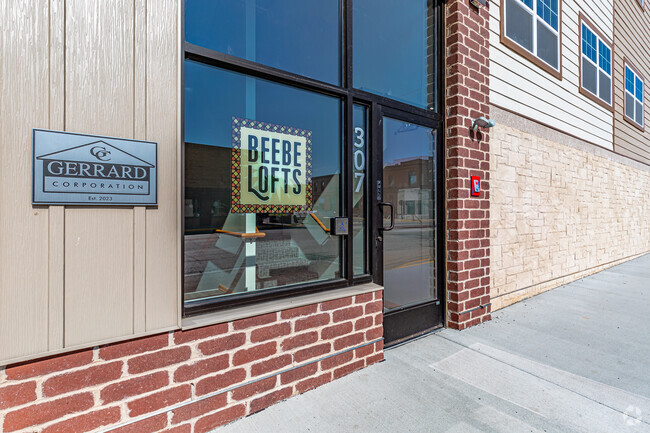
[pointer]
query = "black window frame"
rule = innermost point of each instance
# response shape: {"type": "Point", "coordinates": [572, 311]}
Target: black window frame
{"type": "Point", "coordinates": [349, 96]}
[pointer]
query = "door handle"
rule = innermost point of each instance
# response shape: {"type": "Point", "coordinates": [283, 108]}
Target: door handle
{"type": "Point", "coordinates": [392, 215]}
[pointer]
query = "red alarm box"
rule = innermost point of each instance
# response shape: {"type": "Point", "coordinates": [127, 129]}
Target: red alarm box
{"type": "Point", "coordinates": [476, 186]}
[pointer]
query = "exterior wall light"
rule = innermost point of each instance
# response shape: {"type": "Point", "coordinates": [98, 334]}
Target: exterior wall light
{"type": "Point", "coordinates": [478, 3]}
{"type": "Point", "coordinates": [482, 122]}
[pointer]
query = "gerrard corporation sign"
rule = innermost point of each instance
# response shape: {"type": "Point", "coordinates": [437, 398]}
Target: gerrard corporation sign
{"type": "Point", "coordinates": [83, 169]}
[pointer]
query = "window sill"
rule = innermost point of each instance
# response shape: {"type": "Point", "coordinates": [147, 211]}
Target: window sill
{"type": "Point", "coordinates": [245, 311]}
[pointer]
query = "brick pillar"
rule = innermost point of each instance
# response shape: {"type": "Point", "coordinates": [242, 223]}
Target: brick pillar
{"type": "Point", "coordinates": [467, 154]}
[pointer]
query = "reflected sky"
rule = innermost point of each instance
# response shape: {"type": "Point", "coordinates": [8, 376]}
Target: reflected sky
{"type": "Point", "coordinates": [213, 96]}
{"type": "Point", "coordinates": [405, 141]}
{"type": "Point", "coordinates": [300, 36]}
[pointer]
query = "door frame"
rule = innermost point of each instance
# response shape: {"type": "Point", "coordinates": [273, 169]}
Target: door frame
{"type": "Point", "coordinates": [407, 322]}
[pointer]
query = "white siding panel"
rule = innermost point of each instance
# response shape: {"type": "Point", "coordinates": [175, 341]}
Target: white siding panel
{"type": "Point", "coordinates": [518, 85]}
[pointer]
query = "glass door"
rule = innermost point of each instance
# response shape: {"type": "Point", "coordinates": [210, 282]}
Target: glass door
{"type": "Point", "coordinates": [407, 224]}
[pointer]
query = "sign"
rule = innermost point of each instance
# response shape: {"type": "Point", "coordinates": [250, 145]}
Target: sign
{"type": "Point", "coordinates": [271, 168]}
{"type": "Point", "coordinates": [476, 186]}
{"type": "Point", "coordinates": [80, 169]}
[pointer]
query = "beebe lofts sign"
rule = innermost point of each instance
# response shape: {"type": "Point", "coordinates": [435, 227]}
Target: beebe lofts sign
{"type": "Point", "coordinates": [271, 168]}
{"type": "Point", "coordinates": [79, 169]}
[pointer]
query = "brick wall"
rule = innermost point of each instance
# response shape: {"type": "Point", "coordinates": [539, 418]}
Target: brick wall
{"type": "Point", "coordinates": [196, 380]}
{"type": "Point", "coordinates": [467, 154]}
{"type": "Point", "coordinates": [560, 212]}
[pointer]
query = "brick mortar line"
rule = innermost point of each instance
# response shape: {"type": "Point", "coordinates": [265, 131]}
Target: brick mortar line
{"type": "Point", "coordinates": [232, 388]}
{"type": "Point", "coordinates": [633, 256]}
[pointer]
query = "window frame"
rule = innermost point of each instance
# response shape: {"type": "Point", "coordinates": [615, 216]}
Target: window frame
{"type": "Point", "coordinates": [582, 19]}
{"type": "Point", "coordinates": [514, 46]}
{"type": "Point", "coordinates": [349, 97]}
{"type": "Point", "coordinates": [626, 65]}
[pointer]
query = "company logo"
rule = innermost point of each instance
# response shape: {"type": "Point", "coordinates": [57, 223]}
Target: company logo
{"type": "Point", "coordinates": [100, 153]}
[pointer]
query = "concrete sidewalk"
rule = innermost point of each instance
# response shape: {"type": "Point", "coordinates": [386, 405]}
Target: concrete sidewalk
{"type": "Point", "coordinates": [575, 359]}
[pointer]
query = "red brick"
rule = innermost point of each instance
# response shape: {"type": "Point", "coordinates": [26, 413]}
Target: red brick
{"type": "Point", "coordinates": [347, 369]}
{"type": "Point", "coordinates": [336, 303]}
{"type": "Point", "coordinates": [243, 392]}
{"type": "Point", "coordinates": [362, 299]}
{"type": "Point", "coordinates": [336, 330]}
{"type": "Point", "coordinates": [363, 323]}
{"type": "Point", "coordinates": [67, 382]}
{"type": "Point", "coordinates": [379, 319]}
{"type": "Point", "coordinates": [182, 337]}
{"type": "Point", "coordinates": [263, 402]}
{"type": "Point", "coordinates": [336, 360]}
{"type": "Point", "coordinates": [299, 311]}
{"type": "Point", "coordinates": [244, 356]}
{"type": "Point", "coordinates": [212, 421]}
{"type": "Point", "coordinates": [147, 425]}
{"type": "Point", "coordinates": [299, 373]}
{"type": "Point", "coordinates": [270, 332]}
{"type": "Point", "coordinates": [347, 313]}
{"type": "Point", "coordinates": [202, 367]}
{"type": "Point", "coordinates": [133, 347]}
{"type": "Point", "coordinates": [220, 381]}
{"type": "Point", "coordinates": [49, 365]}
{"type": "Point", "coordinates": [311, 352]}
{"type": "Point", "coordinates": [255, 321]}
{"type": "Point", "coordinates": [41, 413]}
{"type": "Point", "coordinates": [160, 359]}
{"type": "Point", "coordinates": [300, 340]}
{"type": "Point", "coordinates": [86, 422]}
{"type": "Point", "coordinates": [136, 386]}
{"type": "Point", "coordinates": [348, 341]}
{"type": "Point", "coordinates": [270, 365]}
{"type": "Point", "coordinates": [364, 351]}
{"type": "Point", "coordinates": [374, 307]}
{"type": "Point", "coordinates": [378, 357]}
{"type": "Point", "coordinates": [222, 344]}
{"type": "Point", "coordinates": [374, 333]}
{"type": "Point", "coordinates": [313, 382]}
{"type": "Point", "coordinates": [15, 395]}
{"type": "Point", "coordinates": [312, 322]}
{"type": "Point", "coordinates": [185, 428]}
{"type": "Point", "coordinates": [159, 400]}
{"type": "Point", "coordinates": [379, 294]}
{"type": "Point", "coordinates": [198, 408]}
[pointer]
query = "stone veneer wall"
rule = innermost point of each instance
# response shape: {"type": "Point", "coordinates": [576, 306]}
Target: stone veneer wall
{"type": "Point", "coordinates": [561, 209]}
{"type": "Point", "coordinates": [193, 381]}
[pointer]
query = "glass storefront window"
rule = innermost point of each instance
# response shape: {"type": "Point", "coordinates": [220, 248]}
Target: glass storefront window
{"type": "Point", "coordinates": [394, 50]}
{"type": "Point", "coordinates": [287, 144]}
{"type": "Point", "coordinates": [299, 36]}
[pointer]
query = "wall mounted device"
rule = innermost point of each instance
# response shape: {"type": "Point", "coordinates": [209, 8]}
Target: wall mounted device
{"type": "Point", "coordinates": [339, 226]}
{"type": "Point", "coordinates": [478, 3]}
{"type": "Point", "coordinates": [476, 186]}
{"type": "Point", "coordinates": [482, 122]}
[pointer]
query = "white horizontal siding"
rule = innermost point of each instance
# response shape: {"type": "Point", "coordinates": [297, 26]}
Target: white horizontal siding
{"type": "Point", "coordinates": [522, 87]}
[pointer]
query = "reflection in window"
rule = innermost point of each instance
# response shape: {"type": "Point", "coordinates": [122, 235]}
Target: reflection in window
{"type": "Point", "coordinates": [633, 96]}
{"type": "Point", "coordinates": [228, 252]}
{"type": "Point", "coordinates": [534, 25]}
{"type": "Point", "coordinates": [299, 36]}
{"type": "Point", "coordinates": [596, 65]}
{"type": "Point", "coordinates": [394, 44]}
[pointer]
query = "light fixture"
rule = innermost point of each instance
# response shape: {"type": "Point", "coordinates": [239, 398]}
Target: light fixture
{"type": "Point", "coordinates": [478, 3]}
{"type": "Point", "coordinates": [482, 122]}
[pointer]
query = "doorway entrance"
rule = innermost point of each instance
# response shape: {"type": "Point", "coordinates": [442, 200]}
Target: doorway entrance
{"type": "Point", "coordinates": [408, 221]}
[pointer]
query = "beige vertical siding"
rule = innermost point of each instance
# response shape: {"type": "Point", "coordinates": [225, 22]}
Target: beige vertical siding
{"type": "Point", "coordinates": [77, 276]}
{"type": "Point", "coordinates": [632, 40]}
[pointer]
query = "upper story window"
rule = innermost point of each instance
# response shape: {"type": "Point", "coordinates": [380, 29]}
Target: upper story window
{"type": "Point", "coordinates": [532, 28]}
{"type": "Point", "coordinates": [633, 96]}
{"type": "Point", "coordinates": [596, 63]}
